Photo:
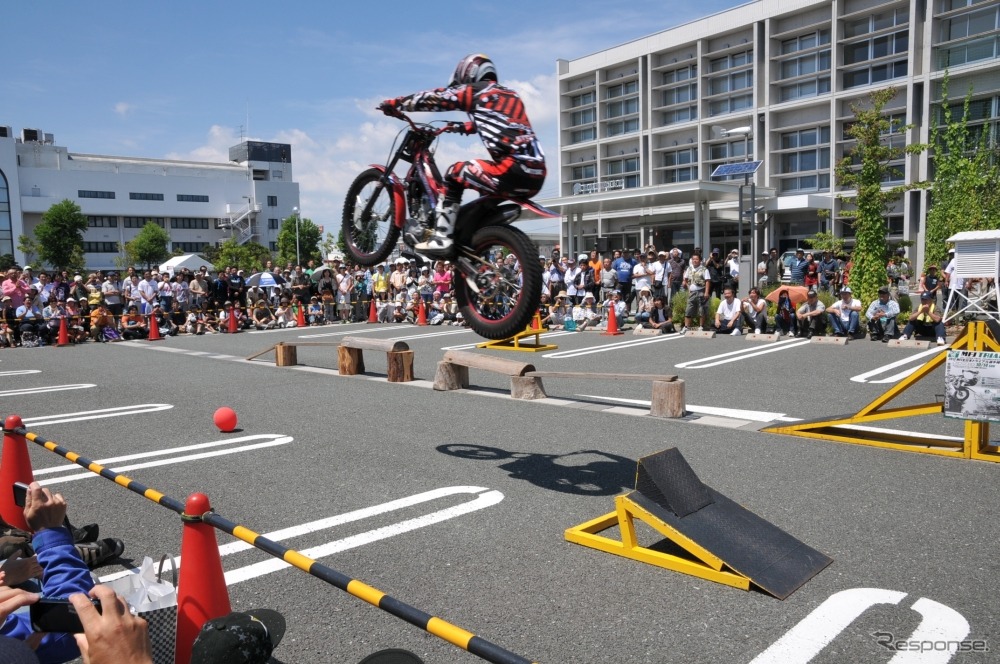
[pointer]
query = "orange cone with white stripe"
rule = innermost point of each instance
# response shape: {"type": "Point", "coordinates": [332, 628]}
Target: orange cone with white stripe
{"type": "Point", "coordinates": [15, 466]}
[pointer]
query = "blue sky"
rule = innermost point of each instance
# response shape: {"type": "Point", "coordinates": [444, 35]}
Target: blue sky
{"type": "Point", "coordinates": [178, 80]}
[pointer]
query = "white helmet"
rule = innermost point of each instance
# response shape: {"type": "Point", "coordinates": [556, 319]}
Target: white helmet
{"type": "Point", "coordinates": [473, 68]}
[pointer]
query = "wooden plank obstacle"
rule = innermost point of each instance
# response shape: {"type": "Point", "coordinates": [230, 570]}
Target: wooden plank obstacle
{"type": "Point", "coordinates": [399, 357]}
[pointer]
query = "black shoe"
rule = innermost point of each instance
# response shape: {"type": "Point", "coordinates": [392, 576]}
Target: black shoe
{"type": "Point", "coordinates": [95, 554]}
{"type": "Point", "coordinates": [809, 335]}
{"type": "Point", "coordinates": [886, 339]}
{"type": "Point", "coordinates": [86, 534]}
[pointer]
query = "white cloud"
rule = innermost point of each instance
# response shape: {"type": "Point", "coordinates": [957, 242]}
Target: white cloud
{"type": "Point", "coordinates": [124, 108]}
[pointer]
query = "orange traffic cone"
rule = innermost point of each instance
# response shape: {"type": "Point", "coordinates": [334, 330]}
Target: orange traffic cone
{"type": "Point", "coordinates": [612, 323]}
{"type": "Point", "coordinates": [300, 316]}
{"type": "Point", "coordinates": [372, 312]}
{"type": "Point", "coordinates": [233, 327]}
{"type": "Point", "coordinates": [154, 328]}
{"type": "Point", "coordinates": [536, 322]}
{"type": "Point", "coordinates": [421, 313]}
{"type": "Point", "coordinates": [15, 466]}
{"type": "Point", "coordinates": [201, 585]}
{"type": "Point", "coordinates": [63, 339]}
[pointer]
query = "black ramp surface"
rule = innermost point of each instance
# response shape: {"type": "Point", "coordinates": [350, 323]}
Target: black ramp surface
{"type": "Point", "coordinates": [752, 546]}
{"type": "Point", "coordinates": [667, 478]}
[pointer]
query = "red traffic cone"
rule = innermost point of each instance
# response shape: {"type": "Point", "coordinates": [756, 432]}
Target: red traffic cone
{"type": "Point", "coordinates": [421, 313]}
{"type": "Point", "coordinates": [300, 316]}
{"type": "Point", "coordinates": [612, 323]}
{"type": "Point", "coordinates": [372, 312]}
{"type": "Point", "coordinates": [201, 585]}
{"type": "Point", "coordinates": [15, 466]}
{"type": "Point", "coordinates": [233, 326]}
{"type": "Point", "coordinates": [154, 328]}
{"type": "Point", "coordinates": [63, 339]}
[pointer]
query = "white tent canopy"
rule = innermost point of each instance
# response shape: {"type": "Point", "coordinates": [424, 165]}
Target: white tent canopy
{"type": "Point", "coordinates": [189, 261]}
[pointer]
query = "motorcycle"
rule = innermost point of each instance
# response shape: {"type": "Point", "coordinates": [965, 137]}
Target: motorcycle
{"type": "Point", "coordinates": [498, 278]}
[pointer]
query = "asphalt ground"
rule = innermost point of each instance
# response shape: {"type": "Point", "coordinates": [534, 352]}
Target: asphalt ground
{"type": "Point", "coordinates": [487, 551]}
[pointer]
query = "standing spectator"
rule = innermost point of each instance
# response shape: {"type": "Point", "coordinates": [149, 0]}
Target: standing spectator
{"type": "Point", "coordinates": [846, 264]}
{"type": "Point", "coordinates": [731, 271]}
{"type": "Point", "coordinates": [111, 290]}
{"type": "Point", "coordinates": [881, 316]}
{"type": "Point", "coordinates": [345, 289]}
{"type": "Point", "coordinates": [585, 278]}
{"type": "Point", "coordinates": [898, 273]}
{"type": "Point", "coordinates": [755, 311]}
{"type": "Point", "coordinates": [775, 268]}
{"type": "Point", "coordinates": [810, 317]}
{"type": "Point", "coordinates": [642, 277]}
{"type": "Point", "coordinates": [147, 293]}
{"type": "Point", "coordinates": [810, 277]}
{"type": "Point", "coordinates": [659, 264]}
{"type": "Point", "coordinates": [926, 321]}
{"type": "Point", "coordinates": [442, 278]}
{"type": "Point", "coordinates": [596, 264]}
{"type": "Point", "coordinates": [930, 282]}
{"type": "Point", "coordinates": [8, 322]}
{"type": "Point", "coordinates": [301, 284]}
{"type": "Point", "coordinates": [845, 314]}
{"type": "Point", "coordinates": [762, 270]}
{"type": "Point", "coordinates": [729, 315]}
{"type": "Point", "coordinates": [165, 292]}
{"type": "Point", "coordinates": [698, 287]}
{"type": "Point", "coordinates": [60, 288]}
{"type": "Point", "coordinates": [198, 290]}
{"type": "Point", "coordinates": [570, 278]}
{"type": "Point", "coordinates": [557, 269]}
{"type": "Point", "coordinates": [397, 281]}
{"type": "Point", "coordinates": [609, 280]}
{"type": "Point", "coordinates": [953, 283]}
{"type": "Point", "coordinates": [797, 267]}
{"type": "Point", "coordinates": [380, 283]}
{"type": "Point", "coordinates": [675, 265]}
{"type": "Point", "coordinates": [714, 268]}
{"type": "Point", "coordinates": [828, 272]}
{"type": "Point", "coordinates": [132, 292]}
{"type": "Point", "coordinates": [623, 269]}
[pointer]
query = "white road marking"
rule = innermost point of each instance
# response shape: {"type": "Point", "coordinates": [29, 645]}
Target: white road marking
{"type": "Point", "coordinates": [940, 625]}
{"type": "Point", "coordinates": [96, 414]}
{"type": "Point", "coordinates": [272, 440]}
{"type": "Point", "coordinates": [621, 345]}
{"type": "Point", "coordinates": [863, 378]}
{"type": "Point", "coordinates": [42, 390]}
{"type": "Point", "coordinates": [19, 373]}
{"type": "Point", "coordinates": [736, 413]}
{"type": "Point", "coordinates": [341, 332]}
{"type": "Point", "coordinates": [484, 498]}
{"type": "Point", "coordinates": [739, 355]}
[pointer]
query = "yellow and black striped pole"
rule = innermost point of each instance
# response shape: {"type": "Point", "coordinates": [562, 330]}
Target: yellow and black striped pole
{"type": "Point", "coordinates": [431, 624]}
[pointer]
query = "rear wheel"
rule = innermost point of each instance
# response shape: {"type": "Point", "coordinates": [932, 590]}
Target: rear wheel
{"type": "Point", "coordinates": [503, 267]}
{"type": "Point", "coordinates": [369, 211]}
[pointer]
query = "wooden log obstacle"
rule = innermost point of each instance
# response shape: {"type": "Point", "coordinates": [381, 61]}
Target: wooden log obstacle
{"type": "Point", "coordinates": [399, 357]}
{"type": "Point", "coordinates": [526, 383]}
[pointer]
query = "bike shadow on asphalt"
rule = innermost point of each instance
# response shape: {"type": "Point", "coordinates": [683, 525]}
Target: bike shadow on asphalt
{"type": "Point", "coordinates": [584, 472]}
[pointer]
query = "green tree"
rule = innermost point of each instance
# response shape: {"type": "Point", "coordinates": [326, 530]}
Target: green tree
{"type": "Point", "coordinates": [250, 256]}
{"type": "Point", "coordinates": [965, 192]}
{"type": "Point", "coordinates": [309, 241]}
{"type": "Point", "coordinates": [6, 262]}
{"type": "Point", "coordinates": [60, 236]}
{"type": "Point", "coordinates": [864, 170]}
{"type": "Point", "coordinates": [149, 247]}
{"type": "Point", "coordinates": [28, 247]}
{"type": "Point", "coordinates": [824, 241]}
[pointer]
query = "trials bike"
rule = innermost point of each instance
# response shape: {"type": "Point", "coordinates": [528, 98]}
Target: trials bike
{"type": "Point", "coordinates": [497, 278]}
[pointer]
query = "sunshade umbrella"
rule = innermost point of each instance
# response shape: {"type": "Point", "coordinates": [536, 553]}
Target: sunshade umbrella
{"type": "Point", "coordinates": [265, 279]}
{"type": "Point", "coordinates": [318, 274]}
{"type": "Point", "coordinates": [797, 294]}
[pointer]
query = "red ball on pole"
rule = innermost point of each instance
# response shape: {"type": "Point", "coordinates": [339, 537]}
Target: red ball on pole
{"type": "Point", "coordinates": [225, 419]}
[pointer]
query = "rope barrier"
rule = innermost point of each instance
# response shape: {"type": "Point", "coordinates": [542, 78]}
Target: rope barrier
{"type": "Point", "coordinates": [442, 629]}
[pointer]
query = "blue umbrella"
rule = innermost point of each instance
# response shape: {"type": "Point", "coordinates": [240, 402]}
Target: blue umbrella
{"type": "Point", "coordinates": [265, 279]}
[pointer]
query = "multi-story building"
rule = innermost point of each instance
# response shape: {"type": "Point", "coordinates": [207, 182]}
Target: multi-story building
{"type": "Point", "coordinates": [643, 125]}
{"type": "Point", "coordinates": [198, 203]}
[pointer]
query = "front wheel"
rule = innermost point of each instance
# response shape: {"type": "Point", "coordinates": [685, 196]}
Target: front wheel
{"type": "Point", "coordinates": [499, 282]}
{"type": "Point", "coordinates": [370, 233]}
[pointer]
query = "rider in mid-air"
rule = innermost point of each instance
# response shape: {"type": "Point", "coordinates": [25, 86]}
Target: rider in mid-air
{"type": "Point", "coordinates": [497, 112]}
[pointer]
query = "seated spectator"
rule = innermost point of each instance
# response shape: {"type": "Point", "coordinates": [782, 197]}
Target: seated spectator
{"type": "Point", "coordinates": [450, 308]}
{"type": "Point", "coordinates": [177, 316]}
{"type": "Point", "coordinates": [314, 312]}
{"type": "Point", "coordinates": [844, 314]}
{"type": "Point", "coordinates": [283, 314]}
{"type": "Point", "coordinates": [755, 312]}
{"type": "Point", "coordinates": [544, 311]}
{"type": "Point", "coordinates": [560, 310]}
{"type": "Point", "coordinates": [925, 321]}
{"type": "Point", "coordinates": [397, 313]}
{"type": "Point", "coordinates": [134, 324]}
{"type": "Point", "coordinates": [8, 322]}
{"type": "Point", "coordinates": [210, 320]}
{"type": "Point", "coordinates": [729, 316]}
{"type": "Point", "coordinates": [231, 310]}
{"type": "Point", "coordinates": [32, 328]}
{"type": "Point", "coordinates": [644, 305]}
{"type": "Point", "coordinates": [881, 316]}
{"type": "Point", "coordinates": [811, 321]}
{"type": "Point", "coordinates": [263, 319]}
{"type": "Point", "coordinates": [102, 324]}
{"type": "Point", "coordinates": [75, 322]}
{"type": "Point", "coordinates": [435, 313]}
{"type": "Point", "coordinates": [164, 322]}
{"type": "Point", "coordinates": [53, 313]}
{"type": "Point", "coordinates": [785, 320]}
{"type": "Point", "coordinates": [617, 307]}
{"type": "Point", "coordinates": [660, 317]}
{"type": "Point", "coordinates": [412, 307]}
{"type": "Point", "coordinates": [585, 313]}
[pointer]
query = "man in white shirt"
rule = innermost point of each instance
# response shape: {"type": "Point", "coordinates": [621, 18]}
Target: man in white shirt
{"type": "Point", "coordinates": [845, 319]}
{"type": "Point", "coordinates": [659, 264]}
{"type": "Point", "coordinates": [147, 293]}
{"type": "Point", "coordinates": [733, 269]}
{"type": "Point", "coordinates": [569, 278]}
{"type": "Point", "coordinates": [642, 274]}
{"type": "Point", "coordinates": [729, 315]}
{"type": "Point", "coordinates": [952, 283]}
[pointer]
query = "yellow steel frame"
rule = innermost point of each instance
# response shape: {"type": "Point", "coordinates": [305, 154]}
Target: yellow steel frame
{"type": "Point", "coordinates": [707, 566]}
{"type": "Point", "coordinates": [974, 445]}
{"type": "Point", "coordinates": [514, 343]}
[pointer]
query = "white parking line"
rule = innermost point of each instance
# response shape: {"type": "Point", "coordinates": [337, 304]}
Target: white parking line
{"type": "Point", "coordinates": [863, 378]}
{"type": "Point", "coordinates": [735, 413]}
{"type": "Point", "coordinates": [19, 373]}
{"type": "Point", "coordinates": [42, 390]}
{"type": "Point", "coordinates": [96, 414]}
{"type": "Point", "coordinates": [621, 345]}
{"type": "Point", "coordinates": [739, 355]}
{"type": "Point", "coordinates": [271, 440]}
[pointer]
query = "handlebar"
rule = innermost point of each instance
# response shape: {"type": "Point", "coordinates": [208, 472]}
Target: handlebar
{"type": "Point", "coordinates": [447, 127]}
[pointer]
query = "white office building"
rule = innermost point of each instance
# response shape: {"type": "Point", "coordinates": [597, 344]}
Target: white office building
{"type": "Point", "coordinates": [643, 125]}
{"type": "Point", "coordinates": [198, 203]}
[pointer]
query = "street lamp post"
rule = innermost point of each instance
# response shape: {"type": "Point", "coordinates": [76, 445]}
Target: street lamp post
{"type": "Point", "coordinates": [295, 211]}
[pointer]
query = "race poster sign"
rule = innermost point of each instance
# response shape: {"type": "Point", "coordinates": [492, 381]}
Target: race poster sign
{"type": "Point", "coordinates": [972, 385]}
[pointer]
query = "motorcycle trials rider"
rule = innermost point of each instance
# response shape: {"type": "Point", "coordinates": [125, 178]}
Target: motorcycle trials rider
{"type": "Point", "coordinates": [498, 115]}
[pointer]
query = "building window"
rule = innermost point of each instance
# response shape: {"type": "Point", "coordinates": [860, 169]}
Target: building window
{"type": "Point", "coordinates": [584, 99]}
{"type": "Point", "coordinates": [272, 201]}
{"type": "Point", "coordinates": [734, 150]}
{"type": "Point", "coordinates": [189, 247]}
{"type": "Point", "coordinates": [89, 193]}
{"type": "Point", "coordinates": [140, 222]}
{"type": "Point", "coordinates": [805, 64]}
{"type": "Point", "coordinates": [973, 51]}
{"type": "Point", "coordinates": [139, 196]}
{"type": "Point", "coordinates": [100, 247]}
{"type": "Point", "coordinates": [682, 165]}
{"type": "Point", "coordinates": [810, 88]}
{"type": "Point", "coordinates": [623, 127]}
{"type": "Point", "coordinates": [875, 74]}
{"type": "Point", "coordinates": [731, 60]}
{"type": "Point", "coordinates": [102, 222]}
{"type": "Point", "coordinates": [815, 182]}
{"type": "Point", "coordinates": [678, 75]}
{"type": "Point", "coordinates": [625, 107]}
{"type": "Point", "coordinates": [805, 42]}
{"type": "Point", "coordinates": [730, 83]}
{"type": "Point", "coordinates": [189, 223]}
{"type": "Point", "coordinates": [586, 116]}
{"type": "Point", "coordinates": [272, 224]}
{"type": "Point", "coordinates": [730, 105]}
{"type": "Point", "coordinates": [192, 198]}
{"type": "Point", "coordinates": [680, 94]}
{"type": "Point", "coordinates": [622, 166]}
{"type": "Point", "coordinates": [877, 47]}
{"type": "Point", "coordinates": [876, 22]}
{"type": "Point", "coordinates": [623, 89]}
{"type": "Point", "coordinates": [273, 246]}
{"type": "Point", "coordinates": [588, 172]}
{"type": "Point", "coordinates": [685, 114]}
{"type": "Point", "coordinates": [581, 135]}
